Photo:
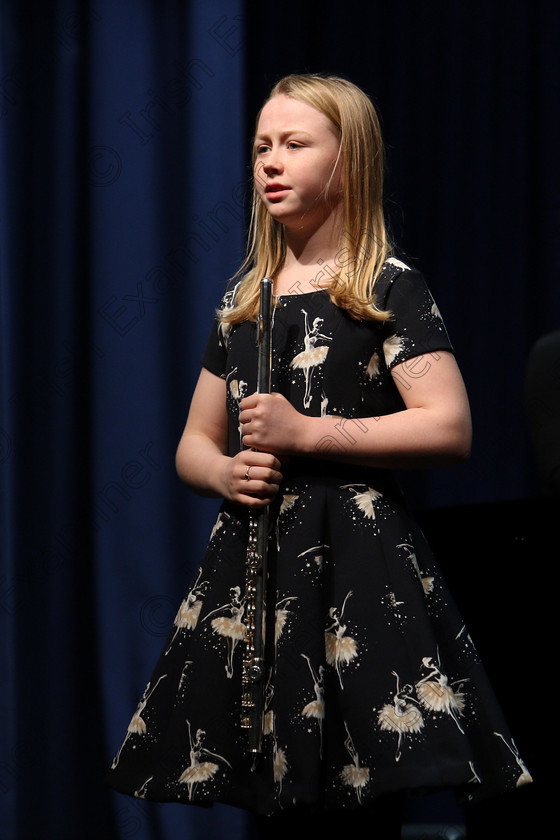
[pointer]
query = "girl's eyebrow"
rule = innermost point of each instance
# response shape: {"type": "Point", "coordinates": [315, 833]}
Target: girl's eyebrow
{"type": "Point", "coordinates": [284, 134]}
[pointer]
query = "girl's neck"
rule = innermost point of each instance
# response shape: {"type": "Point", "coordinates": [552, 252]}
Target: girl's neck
{"type": "Point", "coordinates": [296, 277]}
{"type": "Point", "coordinates": [310, 261]}
{"type": "Point", "coordinates": [307, 246]}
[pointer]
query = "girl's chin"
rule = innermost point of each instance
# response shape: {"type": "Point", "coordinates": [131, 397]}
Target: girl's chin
{"type": "Point", "coordinates": [283, 216]}
{"type": "Point", "coordinates": [301, 222]}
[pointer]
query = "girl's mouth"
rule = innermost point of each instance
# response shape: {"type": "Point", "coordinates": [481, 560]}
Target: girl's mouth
{"type": "Point", "coordinates": [276, 190]}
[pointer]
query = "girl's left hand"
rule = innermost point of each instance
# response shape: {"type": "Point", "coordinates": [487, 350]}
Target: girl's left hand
{"type": "Point", "coordinates": [270, 423]}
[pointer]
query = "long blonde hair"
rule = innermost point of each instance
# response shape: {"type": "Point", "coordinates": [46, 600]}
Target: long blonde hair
{"type": "Point", "coordinates": [365, 245]}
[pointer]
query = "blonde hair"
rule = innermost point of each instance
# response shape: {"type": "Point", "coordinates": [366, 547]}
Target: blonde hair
{"type": "Point", "coordinates": [365, 245]}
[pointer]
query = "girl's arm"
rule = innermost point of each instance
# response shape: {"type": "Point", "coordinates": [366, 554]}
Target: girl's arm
{"type": "Point", "coordinates": [433, 430]}
{"type": "Point", "coordinates": [202, 461]}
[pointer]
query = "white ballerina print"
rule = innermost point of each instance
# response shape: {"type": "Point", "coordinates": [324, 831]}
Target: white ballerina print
{"type": "Point", "coordinates": [279, 763]}
{"type": "Point", "coordinates": [228, 302]}
{"type": "Point", "coordinates": [354, 774]}
{"type": "Point", "coordinates": [238, 390]}
{"type": "Point", "coordinates": [288, 501]}
{"type": "Point", "coordinates": [437, 695]}
{"type": "Point", "coordinates": [137, 725]}
{"type": "Point", "coordinates": [232, 627]}
{"type": "Point", "coordinates": [364, 499]}
{"type": "Point", "coordinates": [427, 582]}
{"type": "Point", "coordinates": [392, 600]}
{"type": "Point", "coordinates": [279, 759]}
{"type": "Point", "coordinates": [398, 263]}
{"type": "Point", "coordinates": [222, 516]}
{"type": "Point", "coordinates": [268, 717]}
{"type": "Point", "coordinates": [475, 778]}
{"type": "Point", "coordinates": [317, 559]}
{"type": "Point", "coordinates": [141, 792]}
{"type": "Point", "coordinates": [392, 346]}
{"type": "Point", "coordinates": [311, 356]}
{"type": "Point", "coordinates": [189, 611]}
{"type": "Point", "coordinates": [316, 708]}
{"type": "Point", "coordinates": [465, 638]}
{"type": "Point", "coordinates": [374, 366]}
{"type": "Point", "coordinates": [183, 676]}
{"type": "Point", "coordinates": [525, 776]}
{"type": "Point", "coordinates": [199, 771]}
{"type": "Point", "coordinates": [403, 716]}
{"type": "Point", "coordinates": [281, 616]}
{"type": "Point", "coordinates": [340, 649]}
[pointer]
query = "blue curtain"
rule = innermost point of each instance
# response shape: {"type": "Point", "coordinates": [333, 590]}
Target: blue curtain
{"type": "Point", "coordinates": [124, 128]}
{"type": "Point", "coordinates": [122, 205]}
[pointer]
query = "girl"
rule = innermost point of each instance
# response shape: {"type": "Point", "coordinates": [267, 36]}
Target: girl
{"type": "Point", "coordinates": [373, 686]}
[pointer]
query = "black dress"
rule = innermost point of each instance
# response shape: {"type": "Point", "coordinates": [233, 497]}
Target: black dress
{"type": "Point", "coordinates": [374, 684]}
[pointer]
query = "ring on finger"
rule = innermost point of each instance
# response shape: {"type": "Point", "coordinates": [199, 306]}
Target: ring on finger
{"type": "Point", "coordinates": [246, 476]}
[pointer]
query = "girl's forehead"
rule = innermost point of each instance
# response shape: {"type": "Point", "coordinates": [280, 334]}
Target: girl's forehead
{"type": "Point", "coordinates": [284, 114]}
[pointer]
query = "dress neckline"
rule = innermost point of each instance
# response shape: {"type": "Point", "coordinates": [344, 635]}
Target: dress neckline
{"type": "Point", "coordinates": [301, 294]}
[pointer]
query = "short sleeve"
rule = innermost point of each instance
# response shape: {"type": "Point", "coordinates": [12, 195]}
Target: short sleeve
{"type": "Point", "coordinates": [214, 357]}
{"type": "Point", "coordinates": [215, 354]}
{"type": "Point", "coordinates": [416, 326]}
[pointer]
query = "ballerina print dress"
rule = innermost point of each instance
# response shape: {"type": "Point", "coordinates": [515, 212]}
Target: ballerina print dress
{"type": "Point", "coordinates": [373, 684]}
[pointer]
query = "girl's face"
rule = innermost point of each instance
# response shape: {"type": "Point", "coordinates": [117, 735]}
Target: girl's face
{"type": "Point", "coordinates": [296, 152]}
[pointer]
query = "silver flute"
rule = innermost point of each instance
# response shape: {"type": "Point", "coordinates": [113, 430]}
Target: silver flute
{"type": "Point", "coordinates": [254, 676]}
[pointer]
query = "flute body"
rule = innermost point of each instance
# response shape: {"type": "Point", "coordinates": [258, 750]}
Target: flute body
{"type": "Point", "coordinates": [254, 676]}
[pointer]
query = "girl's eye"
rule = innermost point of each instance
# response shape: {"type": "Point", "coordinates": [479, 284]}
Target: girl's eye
{"type": "Point", "coordinates": [293, 145]}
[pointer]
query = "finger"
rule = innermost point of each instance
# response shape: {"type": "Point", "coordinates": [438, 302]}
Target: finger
{"type": "Point", "coordinates": [254, 442]}
{"type": "Point", "coordinates": [265, 474]}
{"type": "Point", "coordinates": [255, 458]}
{"type": "Point", "coordinates": [254, 502]}
{"type": "Point", "coordinates": [257, 499]}
{"type": "Point", "coordinates": [257, 479]}
{"type": "Point", "coordinates": [249, 402]}
{"type": "Point", "coordinates": [261, 487]}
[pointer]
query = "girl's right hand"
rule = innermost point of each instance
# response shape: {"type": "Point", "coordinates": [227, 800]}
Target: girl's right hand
{"type": "Point", "coordinates": [251, 478]}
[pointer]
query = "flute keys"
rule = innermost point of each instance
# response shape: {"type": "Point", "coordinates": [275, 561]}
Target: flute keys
{"type": "Point", "coordinates": [254, 673]}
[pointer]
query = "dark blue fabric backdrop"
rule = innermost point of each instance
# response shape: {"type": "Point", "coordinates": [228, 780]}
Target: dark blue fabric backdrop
{"type": "Point", "coordinates": [123, 180]}
{"type": "Point", "coordinates": [124, 127]}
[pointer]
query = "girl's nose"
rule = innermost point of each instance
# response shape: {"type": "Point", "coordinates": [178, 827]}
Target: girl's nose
{"type": "Point", "coordinates": [272, 163]}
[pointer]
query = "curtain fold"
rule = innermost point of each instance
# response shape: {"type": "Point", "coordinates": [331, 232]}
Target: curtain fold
{"type": "Point", "coordinates": [122, 207]}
